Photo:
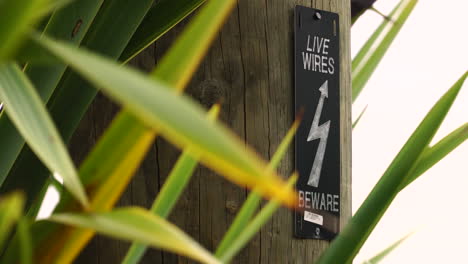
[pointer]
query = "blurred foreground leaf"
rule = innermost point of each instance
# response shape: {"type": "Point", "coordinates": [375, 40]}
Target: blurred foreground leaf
{"type": "Point", "coordinates": [127, 139]}
{"type": "Point", "coordinates": [24, 107]}
{"type": "Point", "coordinates": [178, 118]}
{"type": "Point", "coordinates": [25, 243]}
{"type": "Point", "coordinates": [16, 20]}
{"type": "Point", "coordinates": [139, 225]}
{"type": "Point", "coordinates": [108, 35]}
{"type": "Point", "coordinates": [170, 192]}
{"type": "Point", "coordinates": [11, 207]}
{"type": "Point", "coordinates": [70, 23]}
{"type": "Point", "coordinates": [161, 18]}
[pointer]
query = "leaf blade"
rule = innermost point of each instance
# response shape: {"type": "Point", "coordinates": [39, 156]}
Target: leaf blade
{"type": "Point", "coordinates": [139, 225]}
{"type": "Point", "coordinates": [170, 192]}
{"type": "Point", "coordinates": [108, 35]}
{"type": "Point", "coordinates": [253, 200]}
{"type": "Point", "coordinates": [11, 207]}
{"type": "Point", "coordinates": [178, 118]}
{"type": "Point", "coordinates": [77, 238]}
{"type": "Point", "coordinates": [161, 18]}
{"type": "Point", "coordinates": [25, 243]}
{"type": "Point", "coordinates": [254, 226]}
{"type": "Point", "coordinates": [381, 255]}
{"type": "Point", "coordinates": [359, 117]}
{"type": "Point", "coordinates": [350, 240]}
{"type": "Point", "coordinates": [372, 52]}
{"type": "Point", "coordinates": [16, 18]}
{"type": "Point", "coordinates": [23, 105]}
{"type": "Point", "coordinates": [45, 78]}
{"type": "Point", "coordinates": [434, 154]}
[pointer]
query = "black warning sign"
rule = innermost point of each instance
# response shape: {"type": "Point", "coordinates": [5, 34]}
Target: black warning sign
{"type": "Point", "coordinates": [317, 93]}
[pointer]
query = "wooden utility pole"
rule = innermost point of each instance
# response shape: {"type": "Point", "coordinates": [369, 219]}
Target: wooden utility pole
{"type": "Point", "coordinates": [250, 67]}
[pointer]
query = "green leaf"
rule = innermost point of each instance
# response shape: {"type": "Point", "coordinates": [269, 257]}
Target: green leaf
{"type": "Point", "coordinates": [163, 16]}
{"type": "Point", "coordinates": [252, 202]}
{"type": "Point", "coordinates": [33, 210]}
{"type": "Point", "coordinates": [285, 143]}
{"type": "Point", "coordinates": [350, 240]}
{"type": "Point", "coordinates": [170, 192]}
{"type": "Point", "coordinates": [241, 220]}
{"type": "Point", "coordinates": [434, 154]}
{"type": "Point", "coordinates": [253, 227]}
{"type": "Point", "coordinates": [16, 19]}
{"type": "Point", "coordinates": [25, 243]}
{"type": "Point", "coordinates": [376, 259]}
{"type": "Point", "coordinates": [34, 54]}
{"type": "Point", "coordinates": [178, 65]}
{"type": "Point", "coordinates": [25, 109]}
{"type": "Point", "coordinates": [374, 49]}
{"type": "Point", "coordinates": [108, 35]}
{"type": "Point", "coordinates": [359, 117]}
{"type": "Point", "coordinates": [11, 207]}
{"type": "Point", "coordinates": [180, 119]}
{"type": "Point", "coordinates": [70, 23]}
{"type": "Point", "coordinates": [105, 173]}
{"type": "Point", "coordinates": [135, 224]}
{"type": "Point", "coordinates": [99, 173]}
{"type": "Point", "coordinates": [51, 7]}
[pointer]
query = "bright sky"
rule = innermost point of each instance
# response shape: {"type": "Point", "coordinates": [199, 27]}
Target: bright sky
{"type": "Point", "coordinates": [428, 56]}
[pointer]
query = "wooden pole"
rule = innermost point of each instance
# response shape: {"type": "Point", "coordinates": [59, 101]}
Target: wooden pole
{"type": "Point", "coordinates": [249, 68]}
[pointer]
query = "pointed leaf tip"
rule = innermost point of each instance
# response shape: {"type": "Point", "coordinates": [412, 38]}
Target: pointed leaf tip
{"type": "Point", "coordinates": [137, 224]}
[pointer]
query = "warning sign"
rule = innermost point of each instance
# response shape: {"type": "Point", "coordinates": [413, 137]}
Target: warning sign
{"type": "Point", "coordinates": [317, 93]}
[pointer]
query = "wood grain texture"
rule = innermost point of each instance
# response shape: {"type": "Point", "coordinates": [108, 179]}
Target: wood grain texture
{"type": "Point", "coordinates": [250, 69]}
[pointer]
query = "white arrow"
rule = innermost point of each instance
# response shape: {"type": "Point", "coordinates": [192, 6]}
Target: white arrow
{"type": "Point", "coordinates": [319, 132]}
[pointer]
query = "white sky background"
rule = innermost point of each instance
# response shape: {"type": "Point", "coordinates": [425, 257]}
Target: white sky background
{"type": "Point", "coordinates": [427, 57]}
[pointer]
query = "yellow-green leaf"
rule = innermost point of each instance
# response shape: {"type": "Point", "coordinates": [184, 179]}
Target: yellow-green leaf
{"type": "Point", "coordinates": [99, 173]}
{"type": "Point", "coordinates": [11, 207]}
{"type": "Point", "coordinates": [178, 118]}
{"type": "Point", "coordinates": [16, 19]}
{"type": "Point", "coordinates": [253, 227]}
{"type": "Point", "coordinates": [163, 16]}
{"type": "Point", "coordinates": [135, 224]}
{"type": "Point", "coordinates": [105, 173]}
{"type": "Point", "coordinates": [24, 107]}
{"type": "Point", "coordinates": [170, 191]}
{"type": "Point", "coordinates": [24, 241]}
{"type": "Point", "coordinates": [253, 200]}
{"type": "Point", "coordinates": [70, 23]}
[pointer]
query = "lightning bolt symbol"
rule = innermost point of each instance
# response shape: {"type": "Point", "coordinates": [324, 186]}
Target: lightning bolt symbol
{"type": "Point", "coordinates": [319, 132]}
